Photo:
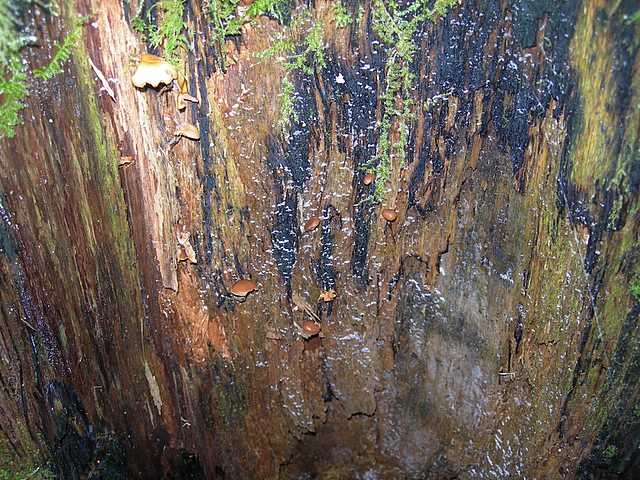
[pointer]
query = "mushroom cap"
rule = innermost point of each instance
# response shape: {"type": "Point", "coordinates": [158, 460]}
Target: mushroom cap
{"type": "Point", "coordinates": [328, 295]}
{"type": "Point", "coordinates": [153, 70]}
{"type": "Point", "coordinates": [389, 215]}
{"type": "Point", "coordinates": [186, 251]}
{"type": "Point", "coordinates": [187, 130]}
{"type": "Point", "coordinates": [311, 224]}
{"type": "Point", "coordinates": [242, 288]}
{"type": "Point", "coordinates": [310, 328]}
{"type": "Point", "coordinates": [185, 97]}
{"type": "Point", "coordinates": [150, 58]}
{"type": "Point", "coordinates": [368, 178]}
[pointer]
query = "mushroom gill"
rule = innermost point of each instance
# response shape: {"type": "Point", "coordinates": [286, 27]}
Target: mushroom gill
{"type": "Point", "coordinates": [153, 70]}
{"type": "Point", "coordinates": [188, 130]}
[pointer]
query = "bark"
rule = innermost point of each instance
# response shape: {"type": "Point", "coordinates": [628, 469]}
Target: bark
{"type": "Point", "coordinates": [490, 331]}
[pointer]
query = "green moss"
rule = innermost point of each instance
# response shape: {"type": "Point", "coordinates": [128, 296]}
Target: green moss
{"type": "Point", "coordinates": [634, 287]}
{"type": "Point", "coordinates": [170, 32]}
{"type": "Point", "coordinates": [13, 69]}
{"type": "Point", "coordinates": [281, 46]}
{"type": "Point", "coordinates": [11, 41]}
{"type": "Point", "coordinates": [24, 473]}
{"type": "Point", "coordinates": [13, 79]}
{"type": "Point", "coordinates": [610, 452]}
{"type": "Point", "coordinates": [594, 63]}
{"type": "Point", "coordinates": [341, 15]}
{"type": "Point", "coordinates": [277, 9]}
{"type": "Point", "coordinates": [226, 22]}
{"type": "Point", "coordinates": [25, 466]}
{"type": "Point", "coordinates": [138, 25]}
{"type": "Point", "coordinates": [614, 214]}
{"type": "Point", "coordinates": [299, 50]}
{"type": "Point", "coordinates": [396, 27]}
{"type": "Point", "coordinates": [312, 56]}
{"type": "Point", "coordinates": [287, 110]}
{"type": "Point", "coordinates": [360, 14]}
{"type": "Point", "coordinates": [13, 91]}
{"type": "Point", "coordinates": [63, 53]}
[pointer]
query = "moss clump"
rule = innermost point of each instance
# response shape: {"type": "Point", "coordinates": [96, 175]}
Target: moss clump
{"type": "Point", "coordinates": [223, 18]}
{"type": "Point", "coordinates": [13, 91]}
{"type": "Point", "coordinates": [287, 110]}
{"type": "Point", "coordinates": [396, 27]}
{"type": "Point", "coordinates": [227, 21]}
{"type": "Point", "coordinates": [13, 78]}
{"type": "Point", "coordinates": [31, 473]}
{"type": "Point", "coordinates": [634, 287]}
{"type": "Point", "coordinates": [26, 466]}
{"type": "Point", "coordinates": [169, 34]}
{"type": "Point", "coordinates": [610, 452]}
{"type": "Point", "coordinates": [11, 40]}
{"type": "Point", "coordinates": [300, 50]}
{"type": "Point", "coordinates": [341, 16]}
{"type": "Point", "coordinates": [13, 69]}
{"type": "Point", "coordinates": [63, 53]}
{"type": "Point", "coordinates": [301, 47]}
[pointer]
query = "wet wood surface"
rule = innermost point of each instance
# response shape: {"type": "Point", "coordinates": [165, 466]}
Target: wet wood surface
{"type": "Point", "coordinates": [489, 330]}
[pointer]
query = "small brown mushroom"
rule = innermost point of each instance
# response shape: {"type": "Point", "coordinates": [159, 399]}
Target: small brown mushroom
{"type": "Point", "coordinates": [153, 70]}
{"type": "Point", "coordinates": [368, 178]}
{"type": "Point", "coordinates": [187, 130]}
{"type": "Point", "coordinates": [243, 288]}
{"type": "Point", "coordinates": [181, 100]}
{"type": "Point", "coordinates": [183, 93]}
{"type": "Point", "coordinates": [186, 251]}
{"type": "Point", "coordinates": [310, 329]}
{"type": "Point", "coordinates": [125, 160]}
{"type": "Point", "coordinates": [389, 215]}
{"type": "Point", "coordinates": [311, 224]}
{"type": "Point", "coordinates": [327, 295]}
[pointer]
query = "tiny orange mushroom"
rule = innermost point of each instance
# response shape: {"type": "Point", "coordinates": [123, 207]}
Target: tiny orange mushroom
{"type": "Point", "coordinates": [310, 329]}
{"type": "Point", "coordinates": [242, 288]}
{"type": "Point", "coordinates": [183, 93]}
{"type": "Point", "coordinates": [153, 70]}
{"type": "Point", "coordinates": [328, 295]}
{"type": "Point", "coordinates": [311, 224]}
{"type": "Point", "coordinates": [368, 178]}
{"type": "Point", "coordinates": [389, 215]}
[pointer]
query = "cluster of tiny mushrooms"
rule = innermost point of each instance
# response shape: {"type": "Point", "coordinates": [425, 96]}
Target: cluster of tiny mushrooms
{"type": "Point", "coordinates": [155, 71]}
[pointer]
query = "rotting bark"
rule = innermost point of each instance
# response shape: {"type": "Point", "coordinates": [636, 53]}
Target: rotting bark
{"type": "Point", "coordinates": [489, 331]}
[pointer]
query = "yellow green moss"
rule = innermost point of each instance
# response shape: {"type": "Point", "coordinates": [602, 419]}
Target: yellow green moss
{"type": "Point", "coordinates": [593, 56]}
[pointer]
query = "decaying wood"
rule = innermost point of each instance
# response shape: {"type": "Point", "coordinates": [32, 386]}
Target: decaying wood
{"type": "Point", "coordinates": [514, 246]}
